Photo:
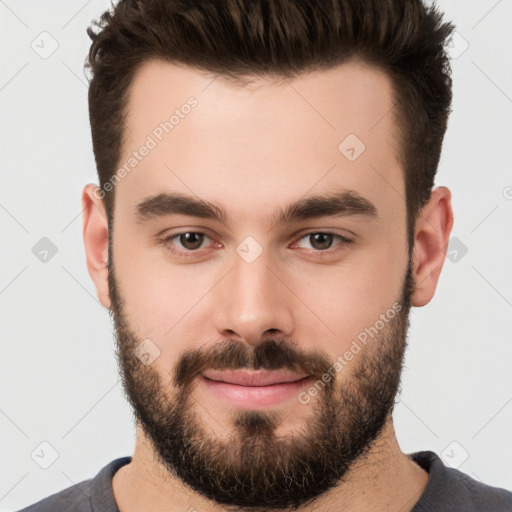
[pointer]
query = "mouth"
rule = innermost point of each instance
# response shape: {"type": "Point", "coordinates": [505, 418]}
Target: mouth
{"type": "Point", "coordinates": [254, 388]}
{"type": "Point", "coordinates": [253, 378]}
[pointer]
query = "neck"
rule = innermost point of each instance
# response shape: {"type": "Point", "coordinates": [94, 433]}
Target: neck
{"type": "Point", "coordinates": [385, 479]}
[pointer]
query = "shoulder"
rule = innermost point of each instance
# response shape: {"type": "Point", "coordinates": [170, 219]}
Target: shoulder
{"type": "Point", "coordinates": [76, 498]}
{"type": "Point", "coordinates": [451, 490]}
{"type": "Point", "coordinates": [92, 495]}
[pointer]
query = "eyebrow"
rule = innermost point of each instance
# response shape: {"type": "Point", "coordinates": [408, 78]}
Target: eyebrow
{"type": "Point", "coordinates": [338, 204]}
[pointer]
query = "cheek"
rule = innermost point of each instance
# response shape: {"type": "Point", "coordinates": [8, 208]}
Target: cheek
{"type": "Point", "coordinates": [161, 298]}
{"type": "Point", "coordinates": [173, 304]}
{"type": "Point", "coordinates": [350, 297]}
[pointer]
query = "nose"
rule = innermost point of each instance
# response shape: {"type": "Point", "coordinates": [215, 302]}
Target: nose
{"type": "Point", "coordinates": [253, 303]}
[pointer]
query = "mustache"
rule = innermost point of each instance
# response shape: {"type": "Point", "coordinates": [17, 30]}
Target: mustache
{"type": "Point", "coordinates": [268, 355]}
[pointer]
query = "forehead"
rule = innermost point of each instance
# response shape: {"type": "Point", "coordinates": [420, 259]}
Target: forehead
{"type": "Point", "coordinates": [210, 137]}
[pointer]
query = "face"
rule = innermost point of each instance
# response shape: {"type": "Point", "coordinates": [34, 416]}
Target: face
{"type": "Point", "coordinates": [260, 277]}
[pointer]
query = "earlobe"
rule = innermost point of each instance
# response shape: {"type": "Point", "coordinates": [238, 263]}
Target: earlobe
{"type": "Point", "coordinates": [95, 234]}
{"type": "Point", "coordinates": [432, 234]}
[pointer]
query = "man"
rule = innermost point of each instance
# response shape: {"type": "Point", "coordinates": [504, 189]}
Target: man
{"type": "Point", "coordinates": [265, 220]}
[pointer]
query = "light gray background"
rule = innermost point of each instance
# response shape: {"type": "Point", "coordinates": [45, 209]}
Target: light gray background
{"type": "Point", "coordinates": [59, 381]}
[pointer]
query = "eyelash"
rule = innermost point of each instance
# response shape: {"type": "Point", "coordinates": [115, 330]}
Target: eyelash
{"type": "Point", "coordinates": [316, 253]}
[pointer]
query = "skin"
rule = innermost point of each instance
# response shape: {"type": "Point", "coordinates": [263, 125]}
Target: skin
{"type": "Point", "coordinates": [253, 150]}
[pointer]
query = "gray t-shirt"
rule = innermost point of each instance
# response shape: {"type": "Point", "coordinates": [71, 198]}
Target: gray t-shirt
{"type": "Point", "coordinates": [447, 490]}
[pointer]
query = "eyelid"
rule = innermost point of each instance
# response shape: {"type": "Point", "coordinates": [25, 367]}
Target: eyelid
{"type": "Point", "coordinates": [331, 250]}
{"type": "Point", "coordinates": [344, 241]}
{"type": "Point", "coordinates": [327, 231]}
{"type": "Point", "coordinates": [166, 240]}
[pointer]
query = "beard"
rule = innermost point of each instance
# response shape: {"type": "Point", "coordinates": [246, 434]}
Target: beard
{"type": "Point", "coordinates": [254, 469]}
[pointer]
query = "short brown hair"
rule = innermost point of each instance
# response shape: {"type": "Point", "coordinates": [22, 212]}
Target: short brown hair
{"type": "Point", "coordinates": [281, 39]}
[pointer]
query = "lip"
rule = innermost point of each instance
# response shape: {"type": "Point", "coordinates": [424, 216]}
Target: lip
{"type": "Point", "coordinates": [254, 389]}
{"type": "Point", "coordinates": [253, 378]}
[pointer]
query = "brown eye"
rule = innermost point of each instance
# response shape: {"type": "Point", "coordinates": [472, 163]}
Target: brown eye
{"type": "Point", "coordinates": [186, 243]}
{"type": "Point", "coordinates": [191, 240]}
{"type": "Point", "coordinates": [321, 241]}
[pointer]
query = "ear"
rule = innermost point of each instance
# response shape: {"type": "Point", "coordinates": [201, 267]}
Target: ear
{"type": "Point", "coordinates": [432, 234]}
{"type": "Point", "coordinates": [95, 233]}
